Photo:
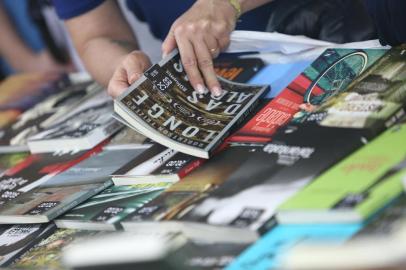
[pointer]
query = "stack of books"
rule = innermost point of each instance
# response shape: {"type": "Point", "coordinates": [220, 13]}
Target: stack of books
{"type": "Point", "coordinates": [164, 177]}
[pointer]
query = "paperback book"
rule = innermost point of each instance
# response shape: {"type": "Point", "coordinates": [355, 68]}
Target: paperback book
{"type": "Point", "coordinates": [356, 188]}
{"type": "Point", "coordinates": [272, 174]}
{"type": "Point", "coordinates": [17, 239]}
{"type": "Point", "coordinates": [62, 192]}
{"type": "Point", "coordinates": [8, 160]}
{"type": "Point", "coordinates": [331, 73]}
{"type": "Point", "coordinates": [105, 210]}
{"type": "Point", "coordinates": [14, 137]}
{"type": "Point", "coordinates": [82, 128]}
{"type": "Point", "coordinates": [374, 101]}
{"type": "Point", "coordinates": [164, 106]}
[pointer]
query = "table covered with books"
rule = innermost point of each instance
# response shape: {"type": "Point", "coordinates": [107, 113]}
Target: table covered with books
{"type": "Point", "coordinates": [299, 164]}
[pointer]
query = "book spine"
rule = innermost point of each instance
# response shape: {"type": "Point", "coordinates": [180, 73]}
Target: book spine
{"type": "Point", "coordinates": [59, 211]}
{"type": "Point", "coordinates": [190, 167]}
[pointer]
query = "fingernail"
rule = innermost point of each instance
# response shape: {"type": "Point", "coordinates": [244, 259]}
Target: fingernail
{"type": "Point", "coordinates": [216, 91]}
{"type": "Point", "coordinates": [200, 89]}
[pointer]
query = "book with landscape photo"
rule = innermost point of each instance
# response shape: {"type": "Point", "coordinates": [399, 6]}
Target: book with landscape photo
{"type": "Point", "coordinates": [82, 128]}
{"type": "Point", "coordinates": [106, 210]}
{"type": "Point", "coordinates": [62, 192]}
{"type": "Point", "coordinates": [357, 187]}
{"type": "Point", "coordinates": [163, 106]}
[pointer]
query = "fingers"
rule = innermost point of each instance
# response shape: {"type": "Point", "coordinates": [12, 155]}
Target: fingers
{"type": "Point", "coordinates": [169, 44]}
{"type": "Point", "coordinates": [130, 70]}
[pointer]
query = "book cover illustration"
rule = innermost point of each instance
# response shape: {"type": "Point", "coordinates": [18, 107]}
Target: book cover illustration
{"type": "Point", "coordinates": [66, 190]}
{"type": "Point", "coordinates": [164, 106]}
{"type": "Point", "coordinates": [82, 128]}
{"type": "Point", "coordinates": [16, 239]}
{"type": "Point", "coordinates": [110, 206]}
{"type": "Point", "coordinates": [47, 254]}
{"type": "Point", "coordinates": [355, 188]}
{"type": "Point", "coordinates": [372, 99]}
{"type": "Point", "coordinates": [327, 76]}
{"type": "Point", "coordinates": [8, 160]}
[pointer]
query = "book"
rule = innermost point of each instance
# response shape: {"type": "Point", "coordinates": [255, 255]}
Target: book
{"type": "Point", "coordinates": [62, 192]}
{"type": "Point", "coordinates": [375, 100]}
{"type": "Point", "coordinates": [268, 252]}
{"type": "Point", "coordinates": [163, 106]}
{"type": "Point", "coordinates": [330, 74]}
{"type": "Point", "coordinates": [37, 118]}
{"type": "Point", "coordinates": [37, 169]}
{"type": "Point", "coordinates": [356, 188]}
{"type": "Point", "coordinates": [48, 253]}
{"type": "Point", "coordinates": [386, 222]}
{"type": "Point", "coordinates": [22, 91]}
{"type": "Point", "coordinates": [8, 160]}
{"type": "Point", "coordinates": [238, 69]}
{"type": "Point", "coordinates": [167, 166]}
{"type": "Point", "coordinates": [183, 194]}
{"type": "Point", "coordinates": [105, 210]}
{"type": "Point", "coordinates": [130, 252]}
{"type": "Point", "coordinates": [272, 174]}
{"type": "Point", "coordinates": [386, 252]}
{"type": "Point", "coordinates": [82, 128]}
{"type": "Point", "coordinates": [126, 138]}
{"type": "Point", "coordinates": [17, 239]}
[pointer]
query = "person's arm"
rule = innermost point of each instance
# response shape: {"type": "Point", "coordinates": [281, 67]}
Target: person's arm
{"type": "Point", "coordinates": [17, 54]}
{"type": "Point", "coordinates": [202, 33]}
{"type": "Point", "coordinates": [108, 47]}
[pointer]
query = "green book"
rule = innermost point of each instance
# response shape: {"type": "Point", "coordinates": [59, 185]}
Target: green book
{"type": "Point", "coordinates": [356, 188]}
{"type": "Point", "coordinates": [105, 210]}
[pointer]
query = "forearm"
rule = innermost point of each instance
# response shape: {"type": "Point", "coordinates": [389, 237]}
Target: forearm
{"type": "Point", "coordinates": [12, 47]}
{"type": "Point", "coordinates": [102, 38]}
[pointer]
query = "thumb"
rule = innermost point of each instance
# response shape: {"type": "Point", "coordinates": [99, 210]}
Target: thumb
{"type": "Point", "coordinates": [169, 44]}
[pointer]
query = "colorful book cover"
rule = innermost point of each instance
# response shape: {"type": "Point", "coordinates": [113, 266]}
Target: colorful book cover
{"type": "Point", "coordinates": [238, 69]}
{"type": "Point", "coordinates": [8, 160]}
{"type": "Point", "coordinates": [47, 254]}
{"type": "Point", "coordinates": [375, 100]}
{"type": "Point", "coordinates": [37, 169]}
{"type": "Point", "coordinates": [164, 106]}
{"type": "Point", "coordinates": [268, 251]}
{"type": "Point", "coordinates": [279, 75]}
{"type": "Point", "coordinates": [67, 189]}
{"type": "Point", "coordinates": [272, 174]}
{"type": "Point", "coordinates": [108, 208]}
{"type": "Point", "coordinates": [16, 239]}
{"type": "Point", "coordinates": [330, 74]}
{"type": "Point", "coordinates": [355, 188]}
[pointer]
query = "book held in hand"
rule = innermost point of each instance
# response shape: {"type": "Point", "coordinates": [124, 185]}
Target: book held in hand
{"type": "Point", "coordinates": [164, 106]}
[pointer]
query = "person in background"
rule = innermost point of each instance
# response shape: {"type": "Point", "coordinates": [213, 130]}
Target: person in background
{"type": "Point", "coordinates": [21, 47]}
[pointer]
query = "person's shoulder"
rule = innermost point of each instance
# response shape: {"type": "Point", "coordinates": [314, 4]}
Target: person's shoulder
{"type": "Point", "coordinates": [67, 9]}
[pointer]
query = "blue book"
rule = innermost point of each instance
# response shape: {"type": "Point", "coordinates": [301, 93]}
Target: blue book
{"type": "Point", "coordinates": [278, 76]}
{"type": "Point", "coordinates": [266, 252]}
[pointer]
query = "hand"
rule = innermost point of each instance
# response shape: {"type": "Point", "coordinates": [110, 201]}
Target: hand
{"type": "Point", "coordinates": [200, 35]}
{"type": "Point", "coordinates": [128, 71]}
